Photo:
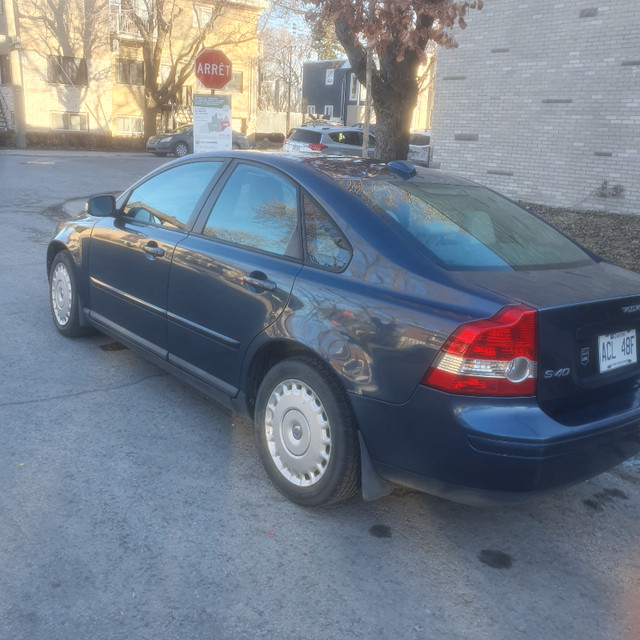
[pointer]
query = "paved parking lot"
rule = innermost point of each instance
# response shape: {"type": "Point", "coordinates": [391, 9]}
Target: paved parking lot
{"type": "Point", "coordinates": [131, 507]}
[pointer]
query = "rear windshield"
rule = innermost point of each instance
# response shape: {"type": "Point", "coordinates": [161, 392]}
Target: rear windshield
{"type": "Point", "coordinates": [419, 139]}
{"type": "Point", "coordinates": [468, 227]}
{"type": "Point", "coordinates": [309, 137]}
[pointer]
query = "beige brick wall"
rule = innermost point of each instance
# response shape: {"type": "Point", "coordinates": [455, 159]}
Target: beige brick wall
{"type": "Point", "coordinates": [541, 101]}
{"type": "Point", "coordinates": [61, 28]}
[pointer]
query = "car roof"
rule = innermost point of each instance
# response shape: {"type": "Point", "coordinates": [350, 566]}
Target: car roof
{"type": "Point", "coordinates": [337, 167]}
{"type": "Point", "coordinates": [325, 127]}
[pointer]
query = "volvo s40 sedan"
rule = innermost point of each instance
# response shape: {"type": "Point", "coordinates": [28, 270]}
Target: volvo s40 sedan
{"type": "Point", "coordinates": [380, 323]}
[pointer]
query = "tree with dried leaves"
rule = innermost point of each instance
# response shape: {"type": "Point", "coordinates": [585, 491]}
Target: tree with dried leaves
{"type": "Point", "coordinates": [399, 32]}
{"type": "Point", "coordinates": [325, 42]}
{"type": "Point", "coordinates": [172, 34]}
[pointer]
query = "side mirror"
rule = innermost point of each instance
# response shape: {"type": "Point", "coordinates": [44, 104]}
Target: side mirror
{"type": "Point", "coordinates": [102, 206]}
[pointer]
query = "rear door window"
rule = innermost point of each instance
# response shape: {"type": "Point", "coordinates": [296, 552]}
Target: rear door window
{"type": "Point", "coordinates": [256, 209]}
{"type": "Point", "coordinates": [305, 136]}
{"type": "Point", "coordinates": [347, 137]}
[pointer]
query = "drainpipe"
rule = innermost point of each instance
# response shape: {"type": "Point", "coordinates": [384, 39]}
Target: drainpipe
{"type": "Point", "coordinates": [13, 33]}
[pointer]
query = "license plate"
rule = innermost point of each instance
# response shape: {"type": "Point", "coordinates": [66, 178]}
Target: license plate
{"type": "Point", "coordinates": [617, 350]}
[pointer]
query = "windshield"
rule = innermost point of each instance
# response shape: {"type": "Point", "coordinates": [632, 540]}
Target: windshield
{"type": "Point", "coordinates": [469, 227]}
{"type": "Point", "coordinates": [185, 128]}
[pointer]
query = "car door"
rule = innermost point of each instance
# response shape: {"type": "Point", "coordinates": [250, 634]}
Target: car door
{"type": "Point", "coordinates": [232, 277]}
{"type": "Point", "coordinates": [130, 255]}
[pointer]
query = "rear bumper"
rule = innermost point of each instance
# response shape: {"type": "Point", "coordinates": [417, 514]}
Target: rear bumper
{"type": "Point", "coordinates": [480, 451]}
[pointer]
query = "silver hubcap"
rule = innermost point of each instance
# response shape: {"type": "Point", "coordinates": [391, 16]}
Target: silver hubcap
{"type": "Point", "coordinates": [298, 433]}
{"type": "Point", "coordinates": [181, 150]}
{"type": "Point", "coordinates": [61, 294]}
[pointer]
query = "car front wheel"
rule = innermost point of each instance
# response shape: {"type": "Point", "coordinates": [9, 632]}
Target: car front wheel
{"type": "Point", "coordinates": [63, 296]}
{"type": "Point", "coordinates": [306, 433]}
{"type": "Point", "coordinates": [181, 149]}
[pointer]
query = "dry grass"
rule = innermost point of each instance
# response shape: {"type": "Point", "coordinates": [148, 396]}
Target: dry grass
{"type": "Point", "coordinates": [614, 236]}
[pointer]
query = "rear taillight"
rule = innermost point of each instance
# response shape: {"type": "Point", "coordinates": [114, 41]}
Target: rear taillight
{"type": "Point", "coordinates": [316, 146]}
{"type": "Point", "coordinates": [493, 357]}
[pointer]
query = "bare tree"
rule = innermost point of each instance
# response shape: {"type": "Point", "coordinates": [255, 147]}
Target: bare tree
{"type": "Point", "coordinates": [172, 34]}
{"type": "Point", "coordinates": [281, 68]}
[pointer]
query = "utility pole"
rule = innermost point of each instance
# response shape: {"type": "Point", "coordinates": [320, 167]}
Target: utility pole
{"type": "Point", "coordinates": [290, 80]}
{"type": "Point", "coordinates": [15, 53]}
{"type": "Point", "coordinates": [368, 99]}
{"type": "Point", "coordinates": [289, 91]}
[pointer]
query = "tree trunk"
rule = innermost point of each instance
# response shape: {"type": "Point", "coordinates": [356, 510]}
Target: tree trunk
{"type": "Point", "coordinates": [394, 103]}
{"type": "Point", "coordinates": [150, 118]}
{"type": "Point", "coordinates": [394, 89]}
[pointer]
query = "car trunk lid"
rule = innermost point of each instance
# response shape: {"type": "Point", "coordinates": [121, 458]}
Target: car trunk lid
{"type": "Point", "coordinates": [588, 330]}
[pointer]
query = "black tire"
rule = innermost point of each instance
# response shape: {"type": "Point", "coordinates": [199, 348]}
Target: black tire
{"type": "Point", "coordinates": [180, 149]}
{"type": "Point", "coordinates": [63, 297]}
{"type": "Point", "coordinates": [306, 433]}
{"type": "Point", "coordinates": [235, 146]}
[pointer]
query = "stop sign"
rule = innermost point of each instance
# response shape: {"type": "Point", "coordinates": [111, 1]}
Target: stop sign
{"type": "Point", "coordinates": [213, 68]}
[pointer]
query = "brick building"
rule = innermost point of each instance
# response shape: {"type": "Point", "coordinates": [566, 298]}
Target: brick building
{"type": "Point", "coordinates": [77, 65]}
{"type": "Point", "coordinates": [542, 102]}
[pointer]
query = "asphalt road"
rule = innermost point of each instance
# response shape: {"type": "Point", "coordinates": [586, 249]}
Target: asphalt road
{"type": "Point", "coordinates": [131, 507]}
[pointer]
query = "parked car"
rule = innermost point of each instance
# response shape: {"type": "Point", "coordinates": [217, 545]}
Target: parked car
{"type": "Point", "coordinates": [327, 139]}
{"type": "Point", "coordinates": [420, 147]}
{"type": "Point", "coordinates": [380, 323]}
{"type": "Point", "coordinates": [372, 127]}
{"type": "Point", "coordinates": [180, 142]}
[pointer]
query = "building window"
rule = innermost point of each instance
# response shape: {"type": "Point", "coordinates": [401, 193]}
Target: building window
{"type": "Point", "coordinates": [311, 110]}
{"type": "Point", "coordinates": [68, 121]}
{"type": "Point", "coordinates": [130, 125]}
{"type": "Point", "coordinates": [355, 85]}
{"type": "Point", "coordinates": [67, 70]}
{"type": "Point", "coordinates": [328, 111]}
{"type": "Point", "coordinates": [328, 76]}
{"type": "Point", "coordinates": [235, 84]}
{"type": "Point", "coordinates": [129, 71]}
{"type": "Point", "coordinates": [165, 72]}
{"type": "Point", "coordinates": [201, 16]}
{"type": "Point", "coordinates": [5, 70]}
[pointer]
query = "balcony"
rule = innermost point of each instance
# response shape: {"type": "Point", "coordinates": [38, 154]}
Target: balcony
{"type": "Point", "coordinates": [122, 24]}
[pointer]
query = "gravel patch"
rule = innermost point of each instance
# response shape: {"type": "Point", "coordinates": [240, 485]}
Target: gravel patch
{"type": "Point", "coordinates": [614, 236]}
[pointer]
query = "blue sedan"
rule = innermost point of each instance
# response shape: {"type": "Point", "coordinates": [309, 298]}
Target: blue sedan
{"type": "Point", "coordinates": [380, 323]}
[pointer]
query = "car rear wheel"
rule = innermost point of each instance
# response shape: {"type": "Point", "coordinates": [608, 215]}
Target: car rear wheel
{"type": "Point", "coordinates": [64, 297]}
{"type": "Point", "coordinates": [306, 433]}
{"type": "Point", "coordinates": [181, 149]}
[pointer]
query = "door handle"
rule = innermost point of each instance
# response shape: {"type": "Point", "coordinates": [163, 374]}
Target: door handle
{"type": "Point", "coordinates": [153, 249]}
{"type": "Point", "coordinates": [259, 283]}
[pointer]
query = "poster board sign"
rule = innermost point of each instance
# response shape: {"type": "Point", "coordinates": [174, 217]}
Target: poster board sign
{"type": "Point", "coordinates": [211, 123]}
